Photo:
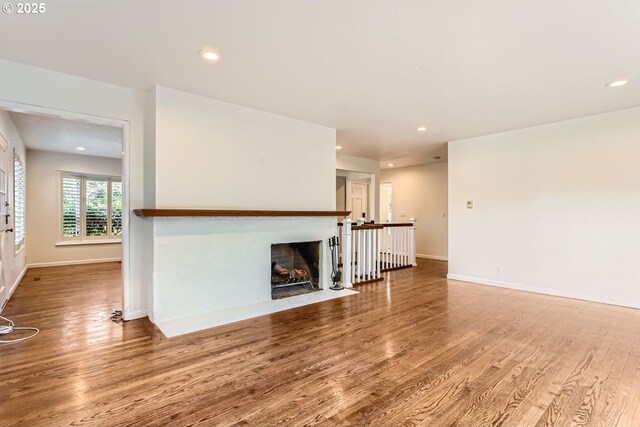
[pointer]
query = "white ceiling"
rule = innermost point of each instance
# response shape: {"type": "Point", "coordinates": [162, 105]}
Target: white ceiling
{"type": "Point", "coordinates": [64, 136]}
{"type": "Point", "coordinates": [372, 69]}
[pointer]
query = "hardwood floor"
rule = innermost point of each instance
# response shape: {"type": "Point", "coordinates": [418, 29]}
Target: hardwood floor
{"type": "Point", "coordinates": [413, 350]}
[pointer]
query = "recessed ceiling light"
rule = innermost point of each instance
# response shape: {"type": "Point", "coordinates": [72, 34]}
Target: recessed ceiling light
{"type": "Point", "coordinates": [390, 165]}
{"type": "Point", "coordinates": [421, 128]}
{"type": "Point", "coordinates": [338, 147]}
{"type": "Point", "coordinates": [209, 55]}
{"type": "Point", "coordinates": [617, 83]}
{"type": "Point", "coordinates": [80, 148]}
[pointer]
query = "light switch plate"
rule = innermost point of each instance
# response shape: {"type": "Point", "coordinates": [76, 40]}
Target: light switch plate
{"type": "Point", "coordinates": [469, 204]}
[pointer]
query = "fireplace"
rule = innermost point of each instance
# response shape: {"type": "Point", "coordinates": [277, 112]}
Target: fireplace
{"type": "Point", "coordinates": [295, 269]}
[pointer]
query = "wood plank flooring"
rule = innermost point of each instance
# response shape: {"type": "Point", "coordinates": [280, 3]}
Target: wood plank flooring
{"type": "Point", "coordinates": [414, 350]}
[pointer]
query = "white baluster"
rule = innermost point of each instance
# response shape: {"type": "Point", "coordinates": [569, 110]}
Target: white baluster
{"type": "Point", "coordinates": [378, 252]}
{"type": "Point", "coordinates": [384, 247]}
{"type": "Point", "coordinates": [365, 238]}
{"type": "Point", "coordinates": [369, 253]}
{"type": "Point", "coordinates": [405, 246]}
{"type": "Point", "coordinates": [347, 281]}
{"type": "Point", "coordinates": [373, 253]}
{"type": "Point", "coordinates": [354, 243]}
{"type": "Point", "coordinates": [400, 246]}
{"type": "Point", "coordinates": [395, 247]}
{"type": "Point", "coordinates": [399, 229]}
{"type": "Point", "coordinates": [360, 250]}
{"type": "Point", "coordinates": [365, 254]}
{"type": "Point", "coordinates": [408, 245]}
{"type": "Point", "coordinates": [406, 232]}
{"type": "Point", "coordinates": [387, 233]}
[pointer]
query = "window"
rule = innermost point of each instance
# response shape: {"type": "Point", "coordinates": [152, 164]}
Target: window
{"type": "Point", "coordinates": [91, 207]}
{"type": "Point", "coordinates": [18, 201]}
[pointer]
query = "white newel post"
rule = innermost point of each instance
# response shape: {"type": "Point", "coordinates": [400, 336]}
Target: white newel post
{"type": "Point", "coordinates": [346, 253]}
{"type": "Point", "coordinates": [412, 242]}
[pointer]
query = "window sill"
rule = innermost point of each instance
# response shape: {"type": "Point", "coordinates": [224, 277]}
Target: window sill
{"type": "Point", "coordinates": [89, 242]}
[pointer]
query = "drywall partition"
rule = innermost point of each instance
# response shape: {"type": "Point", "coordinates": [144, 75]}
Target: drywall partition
{"type": "Point", "coordinates": [47, 89]}
{"type": "Point", "coordinates": [213, 154]}
{"type": "Point", "coordinates": [555, 208]}
{"type": "Point", "coordinates": [44, 246]}
{"type": "Point", "coordinates": [420, 192]}
{"type": "Point", "coordinates": [14, 263]}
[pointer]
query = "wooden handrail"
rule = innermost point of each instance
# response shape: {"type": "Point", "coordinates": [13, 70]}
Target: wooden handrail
{"type": "Point", "coordinates": [383, 225]}
{"type": "Point", "coordinates": [155, 213]}
{"type": "Point", "coordinates": [367, 227]}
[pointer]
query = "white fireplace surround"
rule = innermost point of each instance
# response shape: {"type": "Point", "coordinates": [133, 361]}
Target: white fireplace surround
{"type": "Point", "coordinates": [215, 270]}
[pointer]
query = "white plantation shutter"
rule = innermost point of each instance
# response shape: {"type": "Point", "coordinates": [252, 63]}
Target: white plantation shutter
{"type": "Point", "coordinates": [116, 207]}
{"type": "Point", "coordinates": [18, 202]}
{"type": "Point", "coordinates": [91, 207]}
{"type": "Point", "coordinates": [96, 207]}
{"type": "Point", "coordinates": [71, 206]}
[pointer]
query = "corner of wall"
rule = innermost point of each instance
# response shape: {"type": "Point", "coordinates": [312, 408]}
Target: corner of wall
{"type": "Point", "coordinates": [149, 149]}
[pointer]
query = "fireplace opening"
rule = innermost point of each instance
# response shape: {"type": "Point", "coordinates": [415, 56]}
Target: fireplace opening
{"type": "Point", "coordinates": [295, 269]}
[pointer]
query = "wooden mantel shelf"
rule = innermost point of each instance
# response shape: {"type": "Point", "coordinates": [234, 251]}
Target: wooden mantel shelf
{"type": "Point", "coordinates": [154, 213]}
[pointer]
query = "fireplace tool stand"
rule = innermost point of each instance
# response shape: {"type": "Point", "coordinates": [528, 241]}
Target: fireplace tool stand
{"type": "Point", "coordinates": [336, 274]}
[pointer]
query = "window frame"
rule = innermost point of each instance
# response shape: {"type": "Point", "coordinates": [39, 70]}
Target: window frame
{"type": "Point", "coordinates": [19, 244]}
{"type": "Point", "coordinates": [83, 237]}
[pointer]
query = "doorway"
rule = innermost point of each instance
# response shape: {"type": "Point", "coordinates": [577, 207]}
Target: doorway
{"type": "Point", "coordinates": [386, 201]}
{"type": "Point", "coordinates": [357, 192]}
{"type": "Point", "coordinates": [357, 199]}
{"type": "Point", "coordinates": [71, 208]}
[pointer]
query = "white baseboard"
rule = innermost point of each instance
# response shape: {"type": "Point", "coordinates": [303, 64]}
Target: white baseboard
{"type": "Point", "coordinates": [17, 282]}
{"type": "Point", "coordinates": [436, 257]}
{"type": "Point", "coordinates": [135, 314]}
{"type": "Point", "coordinates": [77, 262]}
{"type": "Point", "coordinates": [14, 286]}
{"type": "Point", "coordinates": [548, 291]}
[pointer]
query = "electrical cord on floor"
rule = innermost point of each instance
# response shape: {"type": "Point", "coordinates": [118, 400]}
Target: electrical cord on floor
{"type": "Point", "coordinates": [7, 329]}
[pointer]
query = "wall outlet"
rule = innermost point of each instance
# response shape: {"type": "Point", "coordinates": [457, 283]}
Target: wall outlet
{"type": "Point", "coordinates": [498, 269]}
{"type": "Point", "coordinates": [469, 204]}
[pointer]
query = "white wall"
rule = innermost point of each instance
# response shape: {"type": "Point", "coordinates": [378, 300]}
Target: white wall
{"type": "Point", "coordinates": [420, 192]}
{"type": "Point", "coordinates": [13, 263]}
{"type": "Point", "coordinates": [359, 164]}
{"type": "Point", "coordinates": [149, 166]}
{"type": "Point", "coordinates": [556, 208]}
{"type": "Point", "coordinates": [43, 88]}
{"type": "Point", "coordinates": [43, 207]}
{"type": "Point", "coordinates": [213, 154]}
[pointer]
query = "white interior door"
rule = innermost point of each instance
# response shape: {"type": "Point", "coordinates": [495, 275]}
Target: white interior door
{"type": "Point", "coordinates": [357, 199]}
{"type": "Point", "coordinates": [5, 247]}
